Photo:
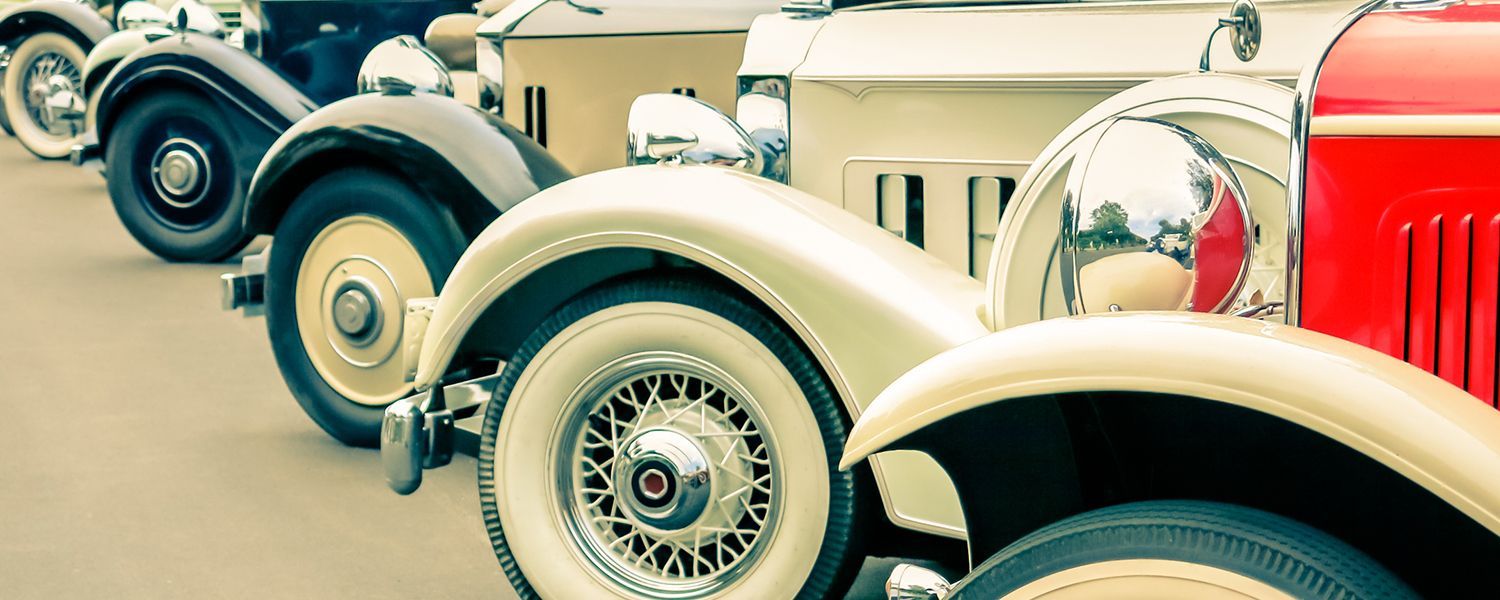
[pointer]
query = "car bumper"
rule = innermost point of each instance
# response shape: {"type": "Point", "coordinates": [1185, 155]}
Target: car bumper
{"type": "Point", "coordinates": [421, 432]}
{"type": "Point", "coordinates": [246, 289]}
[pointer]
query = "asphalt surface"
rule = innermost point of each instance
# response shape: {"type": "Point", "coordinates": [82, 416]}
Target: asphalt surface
{"type": "Point", "coordinates": [148, 448]}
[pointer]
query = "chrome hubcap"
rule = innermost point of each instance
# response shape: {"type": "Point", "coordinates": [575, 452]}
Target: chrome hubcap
{"type": "Point", "coordinates": [668, 482]}
{"type": "Point", "coordinates": [52, 100]}
{"type": "Point", "coordinates": [666, 479]}
{"type": "Point", "coordinates": [356, 311]}
{"type": "Point", "coordinates": [179, 172]}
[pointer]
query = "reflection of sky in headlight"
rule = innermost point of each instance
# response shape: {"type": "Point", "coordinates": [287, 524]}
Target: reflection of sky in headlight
{"type": "Point", "coordinates": [1144, 169]}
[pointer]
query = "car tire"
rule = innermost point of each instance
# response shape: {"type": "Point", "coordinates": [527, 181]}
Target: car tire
{"type": "Point", "coordinates": [173, 177]}
{"type": "Point", "coordinates": [1180, 549]}
{"type": "Point", "coordinates": [362, 232]}
{"type": "Point", "coordinates": [748, 399]}
{"type": "Point", "coordinates": [39, 58]}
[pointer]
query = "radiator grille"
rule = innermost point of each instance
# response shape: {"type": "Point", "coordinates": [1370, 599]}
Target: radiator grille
{"type": "Point", "coordinates": [1443, 293]}
{"type": "Point", "coordinates": [231, 18]}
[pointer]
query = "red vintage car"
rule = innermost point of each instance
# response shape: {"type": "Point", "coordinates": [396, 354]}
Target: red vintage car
{"type": "Point", "coordinates": [1197, 428]}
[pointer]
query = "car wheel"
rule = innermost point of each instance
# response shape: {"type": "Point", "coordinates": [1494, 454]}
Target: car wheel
{"type": "Point", "coordinates": [1180, 550]}
{"type": "Point", "coordinates": [663, 437]}
{"type": "Point", "coordinates": [173, 178]}
{"type": "Point", "coordinates": [353, 247]}
{"type": "Point", "coordinates": [41, 98]}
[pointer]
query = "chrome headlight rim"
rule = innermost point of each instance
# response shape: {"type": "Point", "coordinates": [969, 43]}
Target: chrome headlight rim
{"type": "Point", "coordinates": [403, 66]}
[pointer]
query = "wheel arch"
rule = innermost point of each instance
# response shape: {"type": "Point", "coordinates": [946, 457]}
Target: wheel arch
{"type": "Point", "coordinates": [470, 162]}
{"type": "Point", "coordinates": [842, 275]}
{"type": "Point", "coordinates": [77, 21]}
{"type": "Point", "coordinates": [1100, 410]}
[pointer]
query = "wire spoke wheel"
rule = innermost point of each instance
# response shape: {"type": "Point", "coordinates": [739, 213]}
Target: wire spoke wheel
{"type": "Point", "coordinates": [51, 81]}
{"type": "Point", "coordinates": [669, 480]}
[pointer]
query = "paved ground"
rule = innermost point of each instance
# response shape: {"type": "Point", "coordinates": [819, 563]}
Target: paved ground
{"type": "Point", "coordinates": [148, 448]}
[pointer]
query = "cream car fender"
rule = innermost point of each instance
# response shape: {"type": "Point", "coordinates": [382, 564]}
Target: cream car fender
{"type": "Point", "coordinates": [1248, 120]}
{"type": "Point", "coordinates": [1426, 430]}
{"type": "Point", "coordinates": [868, 305]}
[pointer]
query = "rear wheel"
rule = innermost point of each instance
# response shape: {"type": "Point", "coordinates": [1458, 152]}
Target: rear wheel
{"type": "Point", "coordinates": [1188, 550]}
{"type": "Point", "coordinates": [662, 437]}
{"type": "Point", "coordinates": [354, 246]}
{"type": "Point", "coordinates": [173, 178]}
{"type": "Point", "coordinates": [43, 87]}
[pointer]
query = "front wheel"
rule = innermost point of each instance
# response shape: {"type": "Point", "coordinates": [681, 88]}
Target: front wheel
{"type": "Point", "coordinates": [663, 437]}
{"type": "Point", "coordinates": [355, 245]}
{"type": "Point", "coordinates": [174, 180]}
{"type": "Point", "coordinates": [1187, 550]}
{"type": "Point", "coordinates": [42, 93]}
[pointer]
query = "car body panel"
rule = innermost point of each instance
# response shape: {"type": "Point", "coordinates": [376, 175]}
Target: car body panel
{"type": "Point", "coordinates": [635, 17]}
{"type": "Point", "coordinates": [1414, 423]}
{"type": "Point", "coordinates": [867, 305]}
{"type": "Point", "coordinates": [448, 148]}
{"type": "Point", "coordinates": [587, 99]}
{"type": "Point", "coordinates": [1428, 236]}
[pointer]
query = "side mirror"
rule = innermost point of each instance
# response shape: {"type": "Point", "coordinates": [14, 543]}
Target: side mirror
{"type": "Point", "coordinates": [676, 128]}
{"type": "Point", "coordinates": [401, 65]}
{"type": "Point", "coordinates": [139, 13]}
{"type": "Point", "coordinates": [1153, 218]}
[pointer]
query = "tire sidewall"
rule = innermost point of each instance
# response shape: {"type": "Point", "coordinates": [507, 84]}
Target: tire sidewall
{"type": "Point", "coordinates": [431, 230]}
{"type": "Point", "coordinates": [141, 119]}
{"type": "Point", "coordinates": [520, 432]}
{"type": "Point", "coordinates": [19, 123]}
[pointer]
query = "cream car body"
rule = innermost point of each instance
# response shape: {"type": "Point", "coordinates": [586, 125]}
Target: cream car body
{"type": "Point", "coordinates": [876, 98]}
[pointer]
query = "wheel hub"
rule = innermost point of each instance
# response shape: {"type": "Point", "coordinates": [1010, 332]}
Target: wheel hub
{"type": "Point", "coordinates": [180, 172]}
{"type": "Point", "coordinates": [357, 311]}
{"type": "Point", "coordinates": [667, 479]}
{"type": "Point", "coordinates": [52, 98]}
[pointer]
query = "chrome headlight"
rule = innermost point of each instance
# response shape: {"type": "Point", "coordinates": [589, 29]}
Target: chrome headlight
{"type": "Point", "coordinates": [200, 17]}
{"type": "Point", "coordinates": [139, 13]}
{"type": "Point", "coordinates": [401, 65]}
{"type": "Point", "coordinates": [764, 111]}
{"type": "Point", "coordinates": [672, 128]}
{"type": "Point", "coordinates": [1153, 218]}
{"type": "Point", "coordinates": [491, 70]}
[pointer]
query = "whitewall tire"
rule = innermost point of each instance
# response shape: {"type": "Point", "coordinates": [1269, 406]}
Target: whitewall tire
{"type": "Point", "coordinates": [45, 65]}
{"type": "Point", "coordinates": [662, 437]}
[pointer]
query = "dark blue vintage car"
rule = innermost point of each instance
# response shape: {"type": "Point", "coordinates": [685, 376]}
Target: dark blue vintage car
{"type": "Point", "coordinates": [182, 123]}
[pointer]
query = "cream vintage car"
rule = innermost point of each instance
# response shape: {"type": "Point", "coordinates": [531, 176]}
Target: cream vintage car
{"type": "Point", "coordinates": [686, 342]}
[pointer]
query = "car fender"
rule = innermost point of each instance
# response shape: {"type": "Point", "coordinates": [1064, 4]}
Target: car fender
{"type": "Point", "coordinates": [1421, 427]}
{"type": "Point", "coordinates": [114, 47]}
{"type": "Point", "coordinates": [258, 103]}
{"type": "Point", "coordinates": [474, 162]}
{"type": "Point", "coordinates": [77, 20]}
{"type": "Point", "coordinates": [867, 305]}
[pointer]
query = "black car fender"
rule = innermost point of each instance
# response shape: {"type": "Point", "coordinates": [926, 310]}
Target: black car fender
{"type": "Point", "coordinates": [257, 102]}
{"type": "Point", "coordinates": [78, 21]}
{"type": "Point", "coordinates": [470, 161]}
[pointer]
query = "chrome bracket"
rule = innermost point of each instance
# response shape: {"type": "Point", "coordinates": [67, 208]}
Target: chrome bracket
{"type": "Point", "coordinates": [1244, 24]}
{"type": "Point", "coordinates": [246, 289]}
{"type": "Point", "coordinates": [417, 433]}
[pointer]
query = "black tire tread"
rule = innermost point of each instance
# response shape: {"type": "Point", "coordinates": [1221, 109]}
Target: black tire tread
{"type": "Point", "coordinates": [1288, 555]}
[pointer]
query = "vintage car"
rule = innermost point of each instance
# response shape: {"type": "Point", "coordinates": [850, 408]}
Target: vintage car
{"type": "Point", "coordinates": [1341, 442]}
{"type": "Point", "coordinates": [47, 40]}
{"type": "Point", "coordinates": [181, 123]}
{"type": "Point", "coordinates": [373, 198]}
{"type": "Point", "coordinates": [684, 343]}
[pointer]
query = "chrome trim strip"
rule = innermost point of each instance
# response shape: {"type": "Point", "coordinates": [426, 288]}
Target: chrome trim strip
{"type": "Point", "coordinates": [1477, 125]}
{"type": "Point", "coordinates": [1307, 86]}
